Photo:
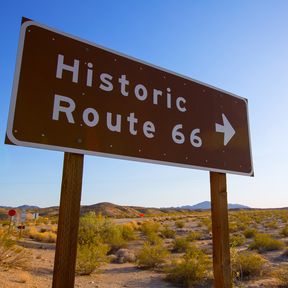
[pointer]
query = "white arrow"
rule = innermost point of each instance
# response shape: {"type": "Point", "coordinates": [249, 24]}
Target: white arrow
{"type": "Point", "coordinates": [226, 128]}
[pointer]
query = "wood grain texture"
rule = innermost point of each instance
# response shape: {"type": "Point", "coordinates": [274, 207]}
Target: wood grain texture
{"type": "Point", "coordinates": [69, 211]}
{"type": "Point", "coordinates": [220, 231]}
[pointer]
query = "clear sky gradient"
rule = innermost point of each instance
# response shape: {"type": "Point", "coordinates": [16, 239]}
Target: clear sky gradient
{"type": "Point", "coordinates": [238, 46]}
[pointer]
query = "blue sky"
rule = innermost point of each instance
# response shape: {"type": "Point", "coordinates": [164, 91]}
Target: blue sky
{"type": "Point", "coordinates": [238, 46]}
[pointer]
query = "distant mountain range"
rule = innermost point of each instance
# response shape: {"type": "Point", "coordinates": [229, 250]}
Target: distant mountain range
{"type": "Point", "coordinates": [118, 211]}
{"type": "Point", "coordinates": [22, 207]}
{"type": "Point", "coordinates": [207, 205]}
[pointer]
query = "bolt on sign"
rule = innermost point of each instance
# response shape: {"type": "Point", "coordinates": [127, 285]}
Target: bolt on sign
{"type": "Point", "coordinates": [74, 96]}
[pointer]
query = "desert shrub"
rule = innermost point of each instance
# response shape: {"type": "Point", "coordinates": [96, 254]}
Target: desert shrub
{"type": "Point", "coordinates": [96, 228]}
{"type": "Point", "coordinates": [282, 276]}
{"type": "Point", "coordinates": [149, 227]}
{"type": "Point", "coordinates": [207, 222]}
{"type": "Point", "coordinates": [284, 231]}
{"type": "Point", "coordinates": [128, 232]}
{"type": "Point", "coordinates": [180, 224]}
{"type": "Point", "coordinates": [190, 270]}
{"type": "Point", "coordinates": [154, 239]}
{"type": "Point", "coordinates": [250, 233]}
{"type": "Point", "coordinates": [194, 235]}
{"type": "Point", "coordinates": [42, 236]}
{"type": "Point", "coordinates": [12, 255]}
{"type": "Point", "coordinates": [265, 242]}
{"type": "Point", "coordinates": [180, 245]}
{"type": "Point", "coordinates": [246, 264]}
{"type": "Point", "coordinates": [167, 232]}
{"type": "Point", "coordinates": [237, 240]}
{"type": "Point", "coordinates": [151, 256]}
{"type": "Point", "coordinates": [90, 257]}
{"type": "Point", "coordinates": [233, 227]}
{"type": "Point", "coordinates": [271, 224]}
{"type": "Point", "coordinates": [94, 233]}
{"type": "Point", "coordinates": [114, 237]}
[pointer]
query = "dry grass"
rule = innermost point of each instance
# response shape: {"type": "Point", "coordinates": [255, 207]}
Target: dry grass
{"type": "Point", "coordinates": [46, 236]}
{"type": "Point", "coordinates": [12, 255]}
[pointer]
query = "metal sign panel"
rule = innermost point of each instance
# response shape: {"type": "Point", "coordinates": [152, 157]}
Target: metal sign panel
{"type": "Point", "coordinates": [72, 95]}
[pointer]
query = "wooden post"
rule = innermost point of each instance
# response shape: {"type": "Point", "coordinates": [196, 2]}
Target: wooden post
{"type": "Point", "coordinates": [220, 231]}
{"type": "Point", "coordinates": [69, 211]}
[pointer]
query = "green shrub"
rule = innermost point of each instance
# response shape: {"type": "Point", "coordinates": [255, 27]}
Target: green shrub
{"type": "Point", "coordinates": [180, 245]}
{"type": "Point", "coordinates": [114, 238]}
{"type": "Point", "coordinates": [96, 236]}
{"type": "Point", "coordinates": [237, 240]}
{"type": "Point", "coordinates": [180, 224]}
{"type": "Point", "coordinates": [151, 256]}
{"type": "Point", "coordinates": [246, 264]}
{"type": "Point", "coordinates": [90, 257]}
{"type": "Point", "coordinates": [149, 227]}
{"type": "Point", "coordinates": [194, 235]}
{"type": "Point", "coordinates": [190, 270]}
{"type": "Point", "coordinates": [96, 228]}
{"type": "Point", "coordinates": [154, 239]}
{"type": "Point", "coordinates": [92, 229]}
{"type": "Point", "coordinates": [167, 232]}
{"type": "Point", "coordinates": [128, 232]}
{"type": "Point", "coordinates": [264, 242]}
{"type": "Point", "coordinates": [250, 233]}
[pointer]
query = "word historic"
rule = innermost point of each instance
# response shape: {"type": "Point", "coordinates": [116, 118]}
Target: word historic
{"type": "Point", "coordinates": [66, 105]}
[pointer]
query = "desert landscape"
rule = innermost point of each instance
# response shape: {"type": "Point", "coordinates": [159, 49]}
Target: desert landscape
{"type": "Point", "coordinates": [121, 246]}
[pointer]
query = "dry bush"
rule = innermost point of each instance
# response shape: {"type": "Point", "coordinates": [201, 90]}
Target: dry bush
{"type": "Point", "coordinates": [150, 227]}
{"type": "Point", "coordinates": [45, 236]}
{"type": "Point", "coordinates": [282, 276]}
{"type": "Point", "coordinates": [128, 231]}
{"type": "Point", "coordinates": [233, 227]}
{"type": "Point", "coordinates": [179, 224]}
{"type": "Point", "coordinates": [237, 240]}
{"type": "Point", "coordinates": [265, 242]}
{"type": "Point", "coordinates": [190, 270]}
{"type": "Point", "coordinates": [181, 245]}
{"type": "Point", "coordinates": [151, 256]}
{"type": "Point", "coordinates": [90, 257]}
{"type": "Point", "coordinates": [250, 233]}
{"type": "Point", "coordinates": [12, 255]}
{"type": "Point", "coordinates": [167, 232]}
{"type": "Point", "coordinates": [271, 224]}
{"type": "Point", "coordinates": [207, 222]}
{"type": "Point", "coordinates": [246, 264]}
{"type": "Point", "coordinates": [194, 235]}
{"type": "Point", "coordinates": [284, 231]}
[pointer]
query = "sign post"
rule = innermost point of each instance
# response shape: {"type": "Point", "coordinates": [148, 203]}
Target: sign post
{"type": "Point", "coordinates": [68, 223]}
{"type": "Point", "coordinates": [220, 231]}
{"type": "Point", "coordinates": [11, 213]}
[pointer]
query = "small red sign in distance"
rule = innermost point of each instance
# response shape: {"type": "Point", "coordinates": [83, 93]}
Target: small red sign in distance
{"type": "Point", "coordinates": [12, 212]}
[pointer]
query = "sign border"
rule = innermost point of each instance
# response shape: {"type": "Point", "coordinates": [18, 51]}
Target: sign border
{"type": "Point", "coordinates": [14, 140]}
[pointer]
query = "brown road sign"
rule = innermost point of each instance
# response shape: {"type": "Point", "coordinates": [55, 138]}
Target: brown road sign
{"type": "Point", "coordinates": [74, 96]}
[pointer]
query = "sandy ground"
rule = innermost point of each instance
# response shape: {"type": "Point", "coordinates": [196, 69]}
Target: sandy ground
{"type": "Point", "coordinates": [39, 274]}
